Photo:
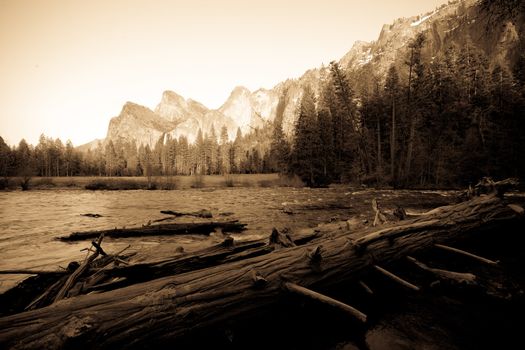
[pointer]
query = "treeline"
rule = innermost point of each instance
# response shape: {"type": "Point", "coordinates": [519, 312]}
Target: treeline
{"type": "Point", "coordinates": [209, 154]}
{"type": "Point", "coordinates": [444, 122]}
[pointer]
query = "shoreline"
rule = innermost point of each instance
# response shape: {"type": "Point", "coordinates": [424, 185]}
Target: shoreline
{"type": "Point", "coordinates": [175, 182]}
{"type": "Point", "coordinates": [180, 182]}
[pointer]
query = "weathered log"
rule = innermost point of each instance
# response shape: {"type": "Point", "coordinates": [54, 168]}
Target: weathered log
{"type": "Point", "coordinates": [161, 230]}
{"type": "Point", "coordinates": [91, 215]}
{"type": "Point", "coordinates": [282, 240]}
{"type": "Point", "coordinates": [400, 213]}
{"type": "Point", "coordinates": [167, 308]}
{"type": "Point", "coordinates": [203, 213]}
{"type": "Point", "coordinates": [80, 270]}
{"type": "Point", "coordinates": [32, 272]}
{"type": "Point", "coordinates": [458, 277]}
{"type": "Point", "coordinates": [292, 287]}
{"type": "Point", "coordinates": [366, 287]}
{"type": "Point", "coordinates": [396, 278]}
{"type": "Point", "coordinates": [226, 252]}
{"type": "Point", "coordinates": [379, 217]}
{"type": "Point", "coordinates": [49, 295]}
{"type": "Point", "coordinates": [101, 276]}
{"type": "Point", "coordinates": [467, 254]}
{"type": "Point", "coordinates": [488, 186]}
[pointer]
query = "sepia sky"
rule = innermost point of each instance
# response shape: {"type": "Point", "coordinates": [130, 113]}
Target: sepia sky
{"type": "Point", "coordinates": [68, 66]}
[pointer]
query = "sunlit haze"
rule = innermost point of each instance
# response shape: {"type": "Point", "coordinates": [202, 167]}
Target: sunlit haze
{"type": "Point", "coordinates": [68, 66]}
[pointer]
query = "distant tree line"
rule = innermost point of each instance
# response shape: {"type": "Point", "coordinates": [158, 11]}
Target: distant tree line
{"type": "Point", "coordinates": [209, 154]}
{"type": "Point", "coordinates": [447, 122]}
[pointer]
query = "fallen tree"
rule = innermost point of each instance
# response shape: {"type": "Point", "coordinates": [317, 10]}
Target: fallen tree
{"type": "Point", "coordinates": [100, 274]}
{"type": "Point", "coordinates": [167, 308]}
{"type": "Point", "coordinates": [179, 228]}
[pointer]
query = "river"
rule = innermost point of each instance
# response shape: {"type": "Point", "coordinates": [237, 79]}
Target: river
{"type": "Point", "coordinates": [30, 221]}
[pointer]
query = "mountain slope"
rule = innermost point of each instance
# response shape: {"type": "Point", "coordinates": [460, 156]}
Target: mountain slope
{"type": "Point", "coordinates": [139, 123]}
{"type": "Point", "coordinates": [457, 23]}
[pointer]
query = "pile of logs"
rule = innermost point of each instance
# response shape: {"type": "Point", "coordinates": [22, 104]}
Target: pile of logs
{"type": "Point", "coordinates": [165, 300]}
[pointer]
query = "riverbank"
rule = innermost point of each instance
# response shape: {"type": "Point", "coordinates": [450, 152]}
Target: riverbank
{"type": "Point", "coordinates": [176, 182]}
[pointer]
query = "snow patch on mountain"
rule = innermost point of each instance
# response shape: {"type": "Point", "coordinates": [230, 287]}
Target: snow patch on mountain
{"type": "Point", "coordinates": [423, 19]}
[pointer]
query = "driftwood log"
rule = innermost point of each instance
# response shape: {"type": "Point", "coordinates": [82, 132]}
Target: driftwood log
{"type": "Point", "coordinates": [226, 252]}
{"type": "Point", "coordinates": [164, 309]}
{"type": "Point", "coordinates": [103, 276]}
{"type": "Point", "coordinates": [203, 213]}
{"type": "Point", "coordinates": [181, 228]}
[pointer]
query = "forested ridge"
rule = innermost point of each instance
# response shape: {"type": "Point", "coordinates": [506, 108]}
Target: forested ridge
{"type": "Point", "coordinates": [450, 122]}
{"type": "Point", "coordinates": [434, 120]}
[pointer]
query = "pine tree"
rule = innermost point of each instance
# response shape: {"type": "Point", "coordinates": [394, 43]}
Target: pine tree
{"type": "Point", "coordinates": [68, 157]}
{"type": "Point", "coordinates": [306, 153]}
{"type": "Point", "coordinates": [326, 140]}
{"type": "Point", "coordinates": [223, 162]}
{"type": "Point", "coordinates": [415, 81]}
{"type": "Point", "coordinates": [392, 90]}
{"type": "Point", "coordinates": [111, 157]}
{"type": "Point", "coordinates": [199, 154]}
{"type": "Point", "coordinates": [279, 149]}
{"type": "Point", "coordinates": [5, 162]}
{"type": "Point", "coordinates": [346, 126]}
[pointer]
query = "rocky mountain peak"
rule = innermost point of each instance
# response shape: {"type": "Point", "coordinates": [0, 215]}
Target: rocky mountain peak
{"type": "Point", "coordinates": [175, 108]}
{"type": "Point", "coordinates": [240, 90]}
{"type": "Point", "coordinates": [455, 23]}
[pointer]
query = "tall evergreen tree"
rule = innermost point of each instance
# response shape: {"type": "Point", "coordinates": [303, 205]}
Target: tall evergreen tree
{"type": "Point", "coordinates": [415, 83]}
{"type": "Point", "coordinates": [306, 153]}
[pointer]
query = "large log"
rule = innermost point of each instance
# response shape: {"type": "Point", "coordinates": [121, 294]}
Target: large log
{"type": "Point", "coordinates": [160, 230]}
{"type": "Point", "coordinates": [164, 309]}
{"type": "Point", "coordinates": [226, 252]}
{"type": "Point", "coordinates": [102, 277]}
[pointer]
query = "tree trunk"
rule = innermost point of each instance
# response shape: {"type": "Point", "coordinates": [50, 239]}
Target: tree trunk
{"type": "Point", "coordinates": [410, 146]}
{"type": "Point", "coordinates": [162, 310]}
{"type": "Point", "coordinates": [410, 117]}
{"type": "Point", "coordinates": [379, 155]}
{"type": "Point", "coordinates": [393, 143]}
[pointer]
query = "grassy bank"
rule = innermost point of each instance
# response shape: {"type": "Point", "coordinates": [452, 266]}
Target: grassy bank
{"type": "Point", "coordinates": [155, 182]}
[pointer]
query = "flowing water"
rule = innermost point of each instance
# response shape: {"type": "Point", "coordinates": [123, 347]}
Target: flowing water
{"type": "Point", "coordinates": [30, 221]}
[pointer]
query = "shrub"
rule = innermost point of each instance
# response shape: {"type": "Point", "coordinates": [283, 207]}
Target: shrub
{"type": "Point", "coordinates": [97, 185]}
{"type": "Point", "coordinates": [286, 180]}
{"type": "Point", "coordinates": [171, 183]}
{"type": "Point", "coordinates": [228, 180]}
{"type": "Point", "coordinates": [44, 182]}
{"type": "Point", "coordinates": [267, 183]}
{"type": "Point", "coordinates": [24, 182]}
{"type": "Point", "coordinates": [197, 181]}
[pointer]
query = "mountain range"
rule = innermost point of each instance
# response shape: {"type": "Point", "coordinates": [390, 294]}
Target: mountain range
{"type": "Point", "coordinates": [456, 23]}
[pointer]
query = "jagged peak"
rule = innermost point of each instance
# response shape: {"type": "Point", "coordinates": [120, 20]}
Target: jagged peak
{"type": "Point", "coordinates": [240, 90]}
{"type": "Point", "coordinates": [170, 95]}
{"type": "Point", "coordinates": [237, 92]}
{"type": "Point", "coordinates": [193, 102]}
{"type": "Point", "coordinates": [131, 106]}
{"type": "Point", "coordinates": [359, 44]}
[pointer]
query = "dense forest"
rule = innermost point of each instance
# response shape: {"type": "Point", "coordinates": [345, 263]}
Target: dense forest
{"type": "Point", "coordinates": [450, 122]}
{"type": "Point", "coordinates": [445, 121]}
{"type": "Point", "coordinates": [210, 154]}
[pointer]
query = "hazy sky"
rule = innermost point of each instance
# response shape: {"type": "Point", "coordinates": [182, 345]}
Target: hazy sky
{"type": "Point", "coordinates": [68, 66]}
